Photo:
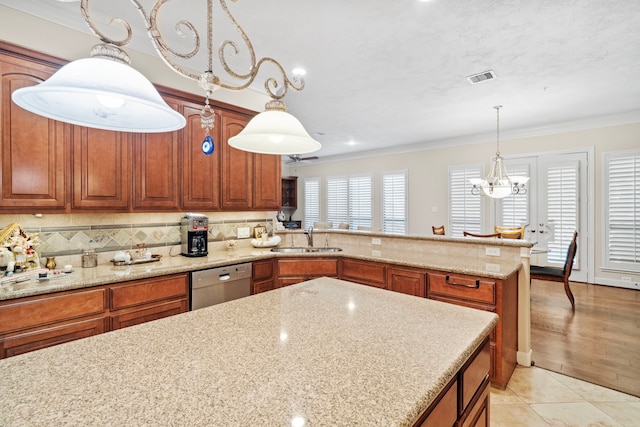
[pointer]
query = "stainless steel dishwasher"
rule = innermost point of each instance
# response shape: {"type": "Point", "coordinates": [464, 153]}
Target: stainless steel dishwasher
{"type": "Point", "coordinates": [217, 285]}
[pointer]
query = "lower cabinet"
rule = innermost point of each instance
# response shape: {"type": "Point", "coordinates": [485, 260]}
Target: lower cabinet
{"type": "Point", "coordinates": [465, 399]}
{"type": "Point", "coordinates": [364, 272]}
{"type": "Point", "coordinates": [32, 323]}
{"type": "Point", "coordinates": [262, 279]}
{"type": "Point", "coordinates": [410, 281]}
{"type": "Point", "coordinates": [495, 295]}
{"type": "Point", "coordinates": [295, 270]}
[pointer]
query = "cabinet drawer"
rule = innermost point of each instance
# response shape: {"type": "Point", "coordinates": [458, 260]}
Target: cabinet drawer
{"type": "Point", "coordinates": [465, 288]}
{"type": "Point", "coordinates": [262, 270]}
{"type": "Point", "coordinates": [146, 291]}
{"type": "Point", "coordinates": [365, 272]}
{"type": "Point", "coordinates": [444, 413]}
{"type": "Point", "coordinates": [52, 308]}
{"type": "Point", "coordinates": [475, 374]}
{"type": "Point", "coordinates": [26, 342]}
{"type": "Point", "coordinates": [143, 315]}
{"type": "Point", "coordinates": [308, 267]}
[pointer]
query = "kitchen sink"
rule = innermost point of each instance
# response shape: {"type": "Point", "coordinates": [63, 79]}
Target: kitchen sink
{"type": "Point", "coordinates": [304, 250]}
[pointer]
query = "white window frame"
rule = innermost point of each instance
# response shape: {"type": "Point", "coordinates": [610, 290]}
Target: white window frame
{"type": "Point", "coordinates": [312, 215]}
{"type": "Point", "coordinates": [458, 183]}
{"type": "Point", "coordinates": [396, 211]}
{"type": "Point", "coordinates": [631, 204]}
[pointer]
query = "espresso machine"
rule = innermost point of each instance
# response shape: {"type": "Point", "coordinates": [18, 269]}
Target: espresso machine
{"type": "Point", "coordinates": [194, 229]}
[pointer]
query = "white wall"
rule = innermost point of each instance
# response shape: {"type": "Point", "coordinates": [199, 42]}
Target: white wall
{"type": "Point", "coordinates": [428, 171]}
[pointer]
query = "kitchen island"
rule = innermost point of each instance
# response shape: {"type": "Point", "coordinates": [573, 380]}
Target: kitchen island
{"type": "Point", "coordinates": [323, 352]}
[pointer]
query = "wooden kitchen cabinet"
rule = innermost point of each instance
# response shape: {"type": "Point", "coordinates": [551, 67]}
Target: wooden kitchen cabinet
{"type": "Point", "coordinates": [31, 323]}
{"type": "Point", "coordinates": [495, 295]}
{"type": "Point", "coordinates": [262, 277]}
{"type": "Point", "coordinates": [101, 169]}
{"type": "Point", "coordinates": [156, 172]}
{"type": "Point", "coordinates": [289, 192]}
{"type": "Point", "coordinates": [364, 272]}
{"type": "Point", "coordinates": [237, 166]}
{"type": "Point", "coordinates": [201, 176]}
{"type": "Point", "coordinates": [144, 300]}
{"type": "Point", "coordinates": [295, 270]}
{"type": "Point", "coordinates": [411, 281]}
{"type": "Point", "coordinates": [33, 150]}
{"type": "Point", "coordinates": [266, 182]}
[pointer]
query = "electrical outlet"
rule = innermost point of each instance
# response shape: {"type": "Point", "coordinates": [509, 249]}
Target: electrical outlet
{"type": "Point", "coordinates": [625, 278]}
{"type": "Point", "coordinates": [376, 241]}
{"type": "Point", "coordinates": [376, 253]}
{"type": "Point", "coordinates": [243, 232]}
{"type": "Point", "coordinates": [495, 268]}
{"type": "Point", "coordinates": [492, 251]}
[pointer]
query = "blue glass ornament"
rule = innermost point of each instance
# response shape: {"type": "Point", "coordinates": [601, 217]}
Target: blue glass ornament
{"type": "Point", "coordinates": [207, 145]}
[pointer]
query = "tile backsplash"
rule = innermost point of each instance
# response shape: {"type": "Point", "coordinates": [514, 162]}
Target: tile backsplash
{"type": "Point", "coordinates": [64, 235]}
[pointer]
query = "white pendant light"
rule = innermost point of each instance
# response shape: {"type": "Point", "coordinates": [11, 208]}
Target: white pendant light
{"type": "Point", "coordinates": [101, 93]}
{"type": "Point", "coordinates": [275, 132]}
{"type": "Point", "coordinates": [497, 184]}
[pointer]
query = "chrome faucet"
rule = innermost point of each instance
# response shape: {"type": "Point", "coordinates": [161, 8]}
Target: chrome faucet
{"type": "Point", "coordinates": [309, 234]}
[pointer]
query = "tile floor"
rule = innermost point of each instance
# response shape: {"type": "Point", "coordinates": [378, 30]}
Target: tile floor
{"type": "Point", "coordinates": [537, 397]}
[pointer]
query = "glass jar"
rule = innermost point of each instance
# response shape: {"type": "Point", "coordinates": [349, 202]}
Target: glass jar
{"type": "Point", "coordinates": [89, 258]}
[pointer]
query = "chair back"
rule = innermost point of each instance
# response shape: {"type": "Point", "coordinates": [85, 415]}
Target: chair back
{"type": "Point", "coordinates": [439, 231]}
{"type": "Point", "coordinates": [510, 232]}
{"type": "Point", "coordinates": [571, 254]}
{"type": "Point", "coordinates": [466, 233]}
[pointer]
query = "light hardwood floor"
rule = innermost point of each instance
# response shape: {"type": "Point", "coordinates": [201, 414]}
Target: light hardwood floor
{"type": "Point", "coordinates": [598, 343]}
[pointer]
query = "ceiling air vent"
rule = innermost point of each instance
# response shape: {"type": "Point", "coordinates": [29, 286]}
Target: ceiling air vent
{"type": "Point", "coordinates": [480, 77]}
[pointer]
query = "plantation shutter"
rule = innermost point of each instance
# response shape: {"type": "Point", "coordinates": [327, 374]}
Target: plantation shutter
{"type": "Point", "coordinates": [562, 208]}
{"type": "Point", "coordinates": [622, 228]}
{"type": "Point", "coordinates": [337, 200]}
{"type": "Point", "coordinates": [465, 209]}
{"type": "Point", "coordinates": [360, 204]}
{"type": "Point", "coordinates": [514, 208]}
{"type": "Point", "coordinates": [311, 201]}
{"type": "Point", "coordinates": [394, 203]}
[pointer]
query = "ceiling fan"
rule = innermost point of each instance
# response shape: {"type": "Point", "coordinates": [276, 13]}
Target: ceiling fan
{"type": "Point", "coordinates": [296, 158]}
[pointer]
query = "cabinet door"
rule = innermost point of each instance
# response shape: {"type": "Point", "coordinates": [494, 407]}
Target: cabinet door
{"type": "Point", "coordinates": [155, 164]}
{"type": "Point", "coordinates": [364, 272]}
{"type": "Point", "coordinates": [145, 314]}
{"type": "Point", "coordinates": [237, 166]}
{"type": "Point", "coordinates": [101, 169]}
{"type": "Point", "coordinates": [32, 147]}
{"type": "Point", "coordinates": [267, 185]}
{"type": "Point", "coordinates": [200, 173]}
{"type": "Point", "coordinates": [408, 281]}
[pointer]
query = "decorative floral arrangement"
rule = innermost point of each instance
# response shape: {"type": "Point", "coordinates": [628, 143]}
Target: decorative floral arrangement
{"type": "Point", "coordinates": [21, 244]}
{"type": "Point", "coordinates": [231, 244]}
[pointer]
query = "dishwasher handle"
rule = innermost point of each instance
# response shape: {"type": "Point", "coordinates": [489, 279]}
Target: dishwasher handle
{"type": "Point", "coordinates": [224, 277]}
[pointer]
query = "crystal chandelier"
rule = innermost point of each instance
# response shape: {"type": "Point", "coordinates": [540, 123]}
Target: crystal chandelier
{"type": "Point", "coordinates": [105, 92]}
{"type": "Point", "coordinates": [498, 184]}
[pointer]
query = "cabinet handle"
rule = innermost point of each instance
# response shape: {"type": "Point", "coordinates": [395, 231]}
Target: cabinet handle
{"type": "Point", "coordinates": [476, 286]}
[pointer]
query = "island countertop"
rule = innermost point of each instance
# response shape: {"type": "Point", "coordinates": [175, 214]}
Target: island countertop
{"type": "Point", "coordinates": [326, 352]}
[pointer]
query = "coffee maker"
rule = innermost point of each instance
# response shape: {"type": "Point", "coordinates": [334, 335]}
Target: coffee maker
{"type": "Point", "coordinates": [194, 229]}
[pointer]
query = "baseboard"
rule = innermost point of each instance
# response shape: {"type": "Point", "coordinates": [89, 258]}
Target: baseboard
{"type": "Point", "coordinates": [524, 358]}
{"type": "Point", "coordinates": [617, 283]}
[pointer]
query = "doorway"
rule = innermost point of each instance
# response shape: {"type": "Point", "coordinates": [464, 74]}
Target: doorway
{"type": "Point", "coordinates": [555, 205]}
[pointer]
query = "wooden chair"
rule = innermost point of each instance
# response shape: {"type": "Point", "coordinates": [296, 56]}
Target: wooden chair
{"type": "Point", "coordinates": [438, 231]}
{"type": "Point", "coordinates": [509, 232]}
{"type": "Point", "coordinates": [557, 274]}
{"type": "Point", "coordinates": [466, 233]}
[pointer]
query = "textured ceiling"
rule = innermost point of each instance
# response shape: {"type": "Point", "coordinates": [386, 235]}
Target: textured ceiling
{"type": "Point", "coordinates": [391, 75]}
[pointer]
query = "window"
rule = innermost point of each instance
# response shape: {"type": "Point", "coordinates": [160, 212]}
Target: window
{"type": "Point", "coordinates": [622, 210]}
{"type": "Point", "coordinates": [465, 209]}
{"type": "Point", "coordinates": [349, 200]}
{"type": "Point", "coordinates": [311, 201]}
{"type": "Point", "coordinates": [394, 202]}
{"type": "Point", "coordinates": [513, 210]}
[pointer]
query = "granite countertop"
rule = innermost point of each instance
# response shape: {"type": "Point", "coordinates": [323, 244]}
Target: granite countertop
{"type": "Point", "coordinates": [107, 273]}
{"type": "Point", "coordinates": [326, 351]}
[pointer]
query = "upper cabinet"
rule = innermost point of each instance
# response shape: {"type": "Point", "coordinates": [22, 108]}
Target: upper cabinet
{"type": "Point", "coordinates": [51, 166]}
{"type": "Point", "coordinates": [32, 147]}
{"type": "Point", "coordinates": [290, 192]}
{"type": "Point", "coordinates": [156, 169]}
{"type": "Point", "coordinates": [200, 173]}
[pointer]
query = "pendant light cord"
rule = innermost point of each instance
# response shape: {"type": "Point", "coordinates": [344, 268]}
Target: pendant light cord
{"type": "Point", "coordinates": [498, 107]}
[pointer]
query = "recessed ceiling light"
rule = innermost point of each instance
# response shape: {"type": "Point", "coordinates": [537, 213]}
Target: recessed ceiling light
{"type": "Point", "coordinates": [299, 72]}
{"type": "Point", "coordinates": [352, 143]}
